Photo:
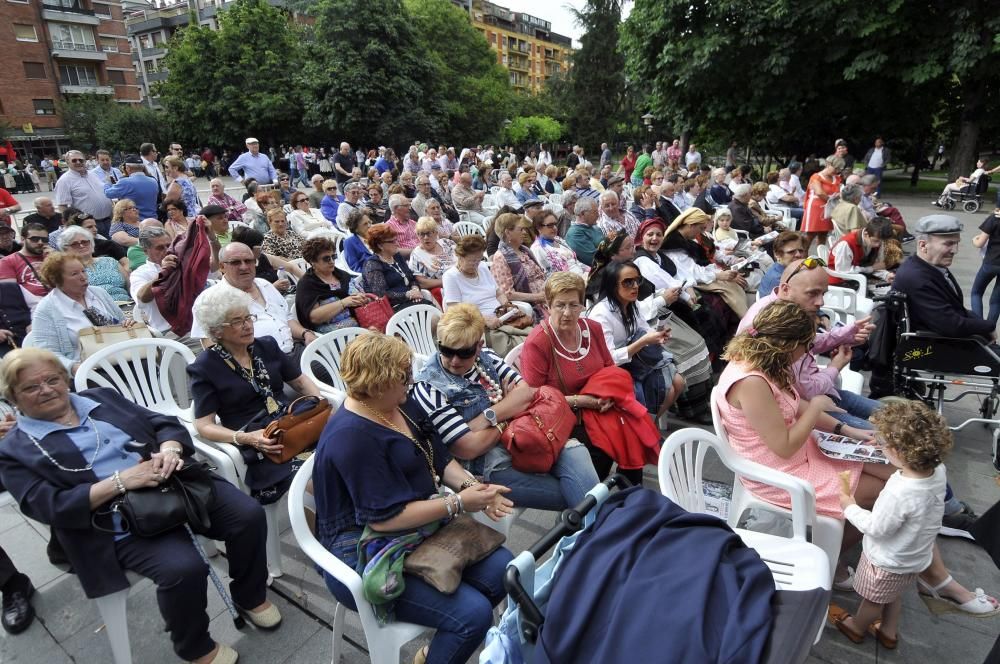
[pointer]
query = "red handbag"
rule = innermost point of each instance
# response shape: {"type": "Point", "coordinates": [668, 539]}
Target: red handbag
{"type": "Point", "coordinates": [375, 314]}
{"type": "Point", "coordinates": [536, 437]}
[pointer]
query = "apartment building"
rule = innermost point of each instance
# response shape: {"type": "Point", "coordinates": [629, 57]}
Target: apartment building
{"type": "Point", "coordinates": [57, 49]}
{"type": "Point", "coordinates": [525, 44]}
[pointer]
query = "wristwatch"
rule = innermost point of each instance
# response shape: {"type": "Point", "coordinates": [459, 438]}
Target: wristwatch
{"type": "Point", "coordinates": [490, 416]}
{"type": "Point", "coordinates": [838, 427]}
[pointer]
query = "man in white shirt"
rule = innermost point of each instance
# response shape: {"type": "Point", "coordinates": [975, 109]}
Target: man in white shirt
{"type": "Point", "coordinates": [108, 173]}
{"type": "Point", "coordinates": [80, 188]}
{"type": "Point", "coordinates": [239, 271]}
{"type": "Point", "coordinates": [506, 195]}
{"type": "Point", "coordinates": [692, 160]}
{"type": "Point", "coordinates": [149, 154]}
{"type": "Point", "coordinates": [876, 159]}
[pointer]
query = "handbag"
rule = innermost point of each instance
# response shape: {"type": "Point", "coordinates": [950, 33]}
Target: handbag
{"type": "Point", "coordinates": [299, 428]}
{"type": "Point", "coordinates": [535, 438]}
{"type": "Point", "coordinates": [440, 559]}
{"type": "Point", "coordinates": [186, 496]}
{"type": "Point", "coordinates": [375, 314]}
{"type": "Point", "coordinates": [93, 339]}
{"type": "Point", "coordinates": [520, 322]}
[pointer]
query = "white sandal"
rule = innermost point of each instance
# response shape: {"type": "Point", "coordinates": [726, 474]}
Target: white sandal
{"type": "Point", "coordinates": [979, 606]}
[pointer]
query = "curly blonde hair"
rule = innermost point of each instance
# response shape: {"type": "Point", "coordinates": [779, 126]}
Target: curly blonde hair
{"type": "Point", "coordinates": [373, 363]}
{"type": "Point", "coordinates": [767, 345]}
{"type": "Point", "coordinates": [919, 436]}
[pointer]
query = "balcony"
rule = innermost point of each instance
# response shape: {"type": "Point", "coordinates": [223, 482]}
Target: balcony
{"type": "Point", "coordinates": [77, 51]}
{"type": "Point", "coordinates": [156, 76]}
{"type": "Point", "coordinates": [145, 20]}
{"type": "Point", "coordinates": [519, 65]}
{"type": "Point", "coordinates": [86, 89]}
{"type": "Point", "coordinates": [68, 12]}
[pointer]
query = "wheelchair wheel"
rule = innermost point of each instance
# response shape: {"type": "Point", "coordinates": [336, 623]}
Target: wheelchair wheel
{"type": "Point", "coordinates": [971, 206]}
{"type": "Point", "coordinates": [949, 204]}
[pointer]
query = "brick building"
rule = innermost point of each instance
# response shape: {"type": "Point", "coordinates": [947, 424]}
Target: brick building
{"type": "Point", "coordinates": [57, 49]}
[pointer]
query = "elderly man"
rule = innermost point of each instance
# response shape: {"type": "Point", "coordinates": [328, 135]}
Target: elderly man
{"type": "Point", "coordinates": [778, 194]}
{"type": "Point", "coordinates": [352, 197]}
{"type": "Point", "coordinates": [22, 267]}
{"type": "Point", "coordinates": [506, 196]}
{"type": "Point", "coordinates": [44, 214]}
{"type": "Point", "coordinates": [743, 218]}
{"type": "Point", "coordinates": [150, 157]}
{"type": "Point", "coordinates": [234, 209]}
{"type": "Point", "coordinates": [137, 186]}
{"type": "Point", "coordinates": [155, 242]}
{"type": "Point", "coordinates": [239, 270]}
{"type": "Point", "coordinates": [847, 214]}
{"type": "Point", "coordinates": [666, 209]}
{"type": "Point", "coordinates": [80, 188]}
{"type": "Point", "coordinates": [136, 254]}
{"type": "Point", "coordinates": [343, 164]}
{"type": "Point", "coordinates": [104, 170]}
{"type": "Point", "coordinates": [606, 156]}
{"type": "Point", "coordinates": [584, 235]}
{"type": "Point", "coordinates": [400, 221]}
{"type": "Point", "coordinates": [424, 194]}
{"type": "Point", "coordinates": [613, 219]}
{"type": "Point", "coordinates": [253, 164]}
{"type": "Point", "coordinates": [860, 251]}
{"type": "Point", "coordinates": [466, 199]}
{"type": "Point", "coordinates": [936, 303]}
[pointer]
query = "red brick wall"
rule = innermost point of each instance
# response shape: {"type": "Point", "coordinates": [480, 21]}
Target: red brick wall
{"type": "Point", "coordinates": [18, 90]}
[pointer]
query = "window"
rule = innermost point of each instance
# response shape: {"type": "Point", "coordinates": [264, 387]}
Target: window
{"type": "Point", "coordinates": [44, 106]}
{"type": "Point", "coordinates": [25, 33]}
{"type": "Point", "coordinates": [72, 37]}
{"type": "Point", "coordinates": [77, 75]}
{"type": "Point", "coordinates": [116, 77]}
{"type": "Point", "coordinates": [34, 70]}
{"type": "Point", "coordinates": [102, 10]}
{"type": "Point", "coordinates": [109, 44]}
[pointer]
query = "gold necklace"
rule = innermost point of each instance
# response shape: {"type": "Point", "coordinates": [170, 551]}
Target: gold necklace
{"type": "Point", "coordinates": [428, 452]}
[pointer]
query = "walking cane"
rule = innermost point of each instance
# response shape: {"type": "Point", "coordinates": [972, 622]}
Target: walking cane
{"type": "Point", "coordinates": [238, 620]}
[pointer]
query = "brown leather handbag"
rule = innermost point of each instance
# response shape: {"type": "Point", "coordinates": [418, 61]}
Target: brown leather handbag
{"type": "Point", "coordinates": [299, 428]}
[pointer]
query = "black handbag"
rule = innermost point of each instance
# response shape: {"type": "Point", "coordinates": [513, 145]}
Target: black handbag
{"type": "Point", "coordinates": [185, 498]}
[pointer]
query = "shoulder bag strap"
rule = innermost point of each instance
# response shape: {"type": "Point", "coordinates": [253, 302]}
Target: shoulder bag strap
{"type": "Point", "coordinates": [555, 358]}
{"type": "Point", "coordinates": [33, 271]}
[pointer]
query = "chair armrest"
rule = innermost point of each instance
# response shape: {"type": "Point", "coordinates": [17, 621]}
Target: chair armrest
{"type": "Point", "coordinates": [801, 493]}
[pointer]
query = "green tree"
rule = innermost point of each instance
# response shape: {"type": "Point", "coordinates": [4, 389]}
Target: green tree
{"type": "Point", "coordinates": [80, 115]}
{"type": "Point", "coordinates": [367, 78]}
{"type": "Point", "coordinates": [463, 76]}
{"type": "Point", "coordinates": [131, 126]}
{"type": "Point", "coordinates": [534, 129]}
{"type": "Point", "coordinates": [225, 84]}
{"type": "Point", "coordinates": [596, 81]}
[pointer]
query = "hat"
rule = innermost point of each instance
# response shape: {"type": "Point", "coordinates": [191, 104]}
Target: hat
{"type": "Point", "coordinates": [938, 224]}
{"type": "Point", "coordinates": [251, 140]}
{"type": "Point", "coordinates": [532, 203]}
{"type": "Point", "coordinates": [212, 210]}
{"type": "Point", "coordinates": [133, 159]}
{"type": "Point", "coordinates": [688, 217]}
{"type": "Point", "coordinates": [435, 166]}
{"type": "Point", "coordinates": [615, 179]}
{"type": "Point", "coordinates": [646, 225]}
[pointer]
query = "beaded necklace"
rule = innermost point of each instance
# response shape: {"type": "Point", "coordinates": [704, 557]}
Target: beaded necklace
{"type": "Point", "coordinates": [493, 390]}
{"type": "Point", "coordinates": [89, 466]}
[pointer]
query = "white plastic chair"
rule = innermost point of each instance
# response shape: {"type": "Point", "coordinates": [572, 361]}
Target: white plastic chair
{"type": "Point", "coordinates": [555, 199]}
{"type": "Point", "coordinates": [327, 351]}
{"type": "Point", "coordinates": [415, 326]}
{"type": "Point", "coordinates": [794, 562]}
{"type": "Point", "coordinates": [864, 304]}
{"type": "Point", "coordinates": [513, 357]}
{"type": "Point", "coordinates": [826, 532]}
{"type": "Point", "coordinates": [29, 340]}
{"type": "Point", "coordinates": [384, 642]}
{"type": "Point", "coordinates": [467, 228]}
{"type": "Point", "coordinates": [341, 261]}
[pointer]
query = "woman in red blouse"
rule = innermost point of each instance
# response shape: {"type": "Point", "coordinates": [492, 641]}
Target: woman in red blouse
{"type": "Point", "coordinates": [564, 351]}
{"type": "Point", "coordinates": [628, 163]}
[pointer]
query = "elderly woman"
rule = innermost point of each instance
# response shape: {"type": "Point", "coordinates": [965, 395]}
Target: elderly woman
{"type": "Point", "coordinates": [103, 272]}
{"type": "Point", "coordinates": [432, 257]}
{"type": "Point", "coordinates": [386, 273]}
{"type": "Point", "coordinates": [280, 240]}
{"type": "Point", "coordinates": [177, 222]}
{"type": "Point", "coordinates": [238, 387]}
{"type": "Point", "coordinates": [565, 351]}
{"type": "Point", "coordinates": [768, 423]}
{"type": "Point", "coordinates": [125, 223]}
{"type": "Point", "coordinates": [380, 471]}
{"type": "Point", "coordinates": [469, 393]}
{"type": "Point", "coordinates": [377, 204]}
{"type": "Point", "coordinates": [551, 251]}
{"type": "Point", "coordinates": [322, 302]}
{"type": "Point", "coordinates": [847, 215]}
{"type": "Point", "coordinates": [70, 306]}
{"type": "Point", "coordinates": [102, 245]}
{"type": "Point", "coordinates": [71, 455]}
{"type": "Point", "coordinates": [356, 250]}
{"type": "Point", "coordinates": [257, 208]}
{"type": "Point", "coordinates": [816, 222]}
{"type": "Point", "coordinates": [787, 247]}
{"type": "Point", "coordinates": [301, 218]}
{"type": "Point", "coordinates": [514, 267]}
{"type": "Point", "coordinates": [234, 208]}
{"type": "Point", "coordinates": [180, 187]}
{"type": "Point", "coordinates": [434, 210]}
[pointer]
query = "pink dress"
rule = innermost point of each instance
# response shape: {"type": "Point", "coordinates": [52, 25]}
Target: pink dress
{"type": "Point", "coordinates": [808, 463]}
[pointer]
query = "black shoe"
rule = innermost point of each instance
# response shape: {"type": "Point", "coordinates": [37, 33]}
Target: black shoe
{"type": "Point", "coordinates": [907, 238]}
{"type": "Point", "coordinates": [959, 523]}
{"type": "Point", "coordinates": [17, 610]}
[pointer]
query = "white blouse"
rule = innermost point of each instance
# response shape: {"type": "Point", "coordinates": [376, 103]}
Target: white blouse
{"type": "Point", "coordinates": [615, 335]}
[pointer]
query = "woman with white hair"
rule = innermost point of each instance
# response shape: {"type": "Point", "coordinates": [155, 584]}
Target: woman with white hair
{"type": "Point", "coordinates": [104, 272]}
{"type": "Point", "coordinates": [238, 388]}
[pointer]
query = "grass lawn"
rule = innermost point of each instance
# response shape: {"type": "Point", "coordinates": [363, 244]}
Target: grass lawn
{"type": "Point", "coordinates": [901, 185]}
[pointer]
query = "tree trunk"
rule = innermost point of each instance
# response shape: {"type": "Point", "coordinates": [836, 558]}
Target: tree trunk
{"type": "Point", "coordinates": [685, 137]}
{"type": "Point", "coordinates": [965, 152]}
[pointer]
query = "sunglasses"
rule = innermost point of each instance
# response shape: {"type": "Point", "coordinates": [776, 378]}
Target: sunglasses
{"type": "Point", "coordinates": [329, 258]}
{"type": "Point", "coordinates": [76, 161]}
{"type": "Point", "coordinates": [461, 353]}
{"type": "Point", "coordinates": [241, 261]}
{"type": "Point", "coordinates": [810, 263]}
{"type": "Point", "coordinates": [36, 238]}
{"type": "Point", "coordinates": [550, 225]}
{"type": "Point", "coordinates": [630, 282]}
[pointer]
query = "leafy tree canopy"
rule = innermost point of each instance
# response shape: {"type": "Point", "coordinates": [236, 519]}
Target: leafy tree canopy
{"type": "Point", "coordinates": [533, 129]}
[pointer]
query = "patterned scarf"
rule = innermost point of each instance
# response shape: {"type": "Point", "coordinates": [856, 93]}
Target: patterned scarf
{"type": "Point", "coordinates": [381, 557]}
{"type": "Point", "coordinates": [258, 377]}
{"type": "Point", "coordinates": [515, 260]}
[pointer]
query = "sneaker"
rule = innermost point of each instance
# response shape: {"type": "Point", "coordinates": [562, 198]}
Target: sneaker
{"type": "Point", "coordinates": [907, 238]}
{"type": "Point", "coordinates": [959, 523]}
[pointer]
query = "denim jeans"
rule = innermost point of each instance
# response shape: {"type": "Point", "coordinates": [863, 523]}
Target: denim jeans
{"type": "Point", "coordinates": [858, 408]}
{"type": "Point", "coordinates": [877, 172]}
{"type": "Point", "coordinates": [571, 477]}
{"type": "Point", "coordinates": [461, 620]}
{"type": "Point", "coordinates": [987, 273]}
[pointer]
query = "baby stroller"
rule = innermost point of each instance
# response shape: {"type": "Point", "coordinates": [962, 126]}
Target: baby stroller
{"type": "Point", "coordinates": [970, 197]}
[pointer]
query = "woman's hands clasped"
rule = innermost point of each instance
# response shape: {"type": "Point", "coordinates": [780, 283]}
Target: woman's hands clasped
{"type": "Point", "coordinates": [488, 499]}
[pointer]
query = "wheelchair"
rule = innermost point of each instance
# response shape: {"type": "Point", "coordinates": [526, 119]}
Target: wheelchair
{"type": "Point", "coordinates": [970, 197]}
{"type": "Point", "coordinates": [925, 365]}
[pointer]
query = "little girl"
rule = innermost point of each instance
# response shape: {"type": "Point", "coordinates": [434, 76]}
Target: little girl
{"type": "Point", "coordinates": [900, 529]}
{"type": "Point", "coordinates": [724, 227]}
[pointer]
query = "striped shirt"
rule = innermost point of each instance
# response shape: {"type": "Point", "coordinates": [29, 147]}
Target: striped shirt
{"type": "Point", "coordinates": [449, 422]}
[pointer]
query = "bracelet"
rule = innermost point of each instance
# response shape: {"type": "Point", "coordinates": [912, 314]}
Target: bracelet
{"type": "Point", "coordinates": [472, 481]}
{"type": "Point", "coordinates": [236, 442]}
{"type": "Point", "coordinates": [574, 405]}
{"type": "Point", "coordinates": [838, 427]}
{"type": "Point", "coordinates": [119, 485]}
{"type": "Point", "coordinates": [461, 505]}
{"type": "Point", "coordinates": [179, 451]}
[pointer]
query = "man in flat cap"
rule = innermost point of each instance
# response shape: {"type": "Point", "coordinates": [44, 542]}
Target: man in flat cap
{"type": "Point", "coordinates": [935, 301]}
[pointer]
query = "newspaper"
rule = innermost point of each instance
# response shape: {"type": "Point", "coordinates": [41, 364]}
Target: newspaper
{"type": "Point", "coordinates": [717, 498]}
{"type": "Point", "coordinates": [848, 449]}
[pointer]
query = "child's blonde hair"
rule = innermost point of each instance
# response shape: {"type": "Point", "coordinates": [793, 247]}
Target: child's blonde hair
{"type": "Point", "coordinates": [919, 436]}
{"type": "Point", "coordinates": [720, 213]}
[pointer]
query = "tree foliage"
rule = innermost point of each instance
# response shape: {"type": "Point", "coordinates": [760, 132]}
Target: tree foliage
{"type": "Point", "coordinates": [240, 79]}
{"type": "Point", "coordinates": [131, 126]}
{"type": "Point", "coordinates": [534, 129]}
{"type": "Point", "coordinates": [81, 114]}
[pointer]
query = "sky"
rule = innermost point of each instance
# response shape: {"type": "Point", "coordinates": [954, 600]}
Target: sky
{"type": "Point", "coordinates": [554, 11]}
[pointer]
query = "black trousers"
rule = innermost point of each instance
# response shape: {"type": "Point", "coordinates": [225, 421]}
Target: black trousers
{"type": "Point", "coordinates": [7, 569]}
{"type": "Point", "coordinates": [181, 576]}
{"type": "Point", "coordinates": [602, 462]}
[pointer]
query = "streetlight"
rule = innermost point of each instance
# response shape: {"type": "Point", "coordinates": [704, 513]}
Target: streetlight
{"type": "Point", "coordinates": [647, 120]}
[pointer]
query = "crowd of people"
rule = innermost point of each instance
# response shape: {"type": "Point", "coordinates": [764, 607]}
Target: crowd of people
{"type": "Point", "coordinates": [626, 288]}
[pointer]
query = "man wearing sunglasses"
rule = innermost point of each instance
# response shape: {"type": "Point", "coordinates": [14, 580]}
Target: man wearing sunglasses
{"type": "Point", "coordinates": [21, 267]}
{"type": "Point", "coordinates": [84, 190]}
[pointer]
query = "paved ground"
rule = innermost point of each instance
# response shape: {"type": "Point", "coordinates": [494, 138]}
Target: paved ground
{"type": "Point", "coordinates": [69, 628]}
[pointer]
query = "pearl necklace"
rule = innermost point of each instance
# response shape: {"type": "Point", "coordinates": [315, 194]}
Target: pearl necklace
{"type": "Point", "coordinates": [89, 466]}
{"type": "Point", "coordinates": [573, 355]}
{"type": "Point", "coordinates": [493, 390]}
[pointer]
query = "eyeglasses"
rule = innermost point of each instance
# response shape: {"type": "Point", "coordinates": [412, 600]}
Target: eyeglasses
{"type": "Point", "coordinates": [566, 306]}
{"type": "Point", "coordinates": [76, 161]}
{"type": "Point", "coordinates": [461, 353]}
{"type": "Point", "coordinates": [328, 258]}
{"type": "Point", "coordinates": [241, 322]}
{"type": "Point", "coordinates": [36, 238]}
{"type": "Point", "coordinates": [810, 263]}
{"type": "Point", "coordinates": [630, 282]}
{"type": "Point", "coordinates": [241, 261]}
{"type": "Point", "coordinates": [426, 233]}
{"type": "Point", "coordinates": [80, 243]}
{"type": "Point", "coordinates": [34, 389]}
{"type": "Point", "coordinates": [550, 225]}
